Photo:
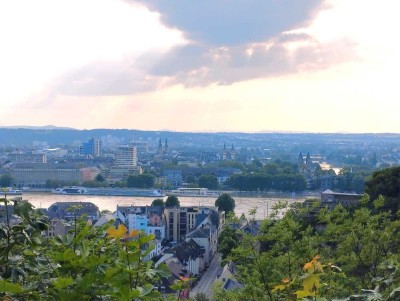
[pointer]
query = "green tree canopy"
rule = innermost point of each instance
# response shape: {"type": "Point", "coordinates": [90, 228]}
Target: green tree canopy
{"type": "Point", "coordinates": [158, 202]}
{"type": "Point", "coordinates": [225, 203]}
{"type": "Point", "coordinates": [99, 178]}
{"type": "Point", "coordinates": [140, 181]}
{"type": "Point", "coordinates": [208, 181]}
{"type": "Point", "coordinates": [5, 180]}
{"type": "Point", "coordinates": [387, 183]}
{"type": "Point", "coordinates": [172, 201]}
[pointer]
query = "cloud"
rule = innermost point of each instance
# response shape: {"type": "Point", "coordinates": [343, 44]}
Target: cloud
{"type": "Point", "coordinates": [228, 42]}
{"type": "Point", "coordinates": [240, 40]}
{"type": "Point", "coordinates": [232, 22]}
{"type": "Point", "coordinates": [105, 77]}
{"type": "Point", "coordinates": [287, 53]}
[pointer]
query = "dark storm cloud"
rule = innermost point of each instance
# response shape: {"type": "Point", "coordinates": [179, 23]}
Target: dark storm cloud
{"type": "Point", "coordinates": [230, 22]}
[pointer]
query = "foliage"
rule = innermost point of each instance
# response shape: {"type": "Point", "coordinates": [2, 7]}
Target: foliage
{"type": "Point", "coordinates": [182, 286]}
{"type": "Point", "coordinates": [386, 182]}
{"type": "Point", "coordinates": [5, 180]}
{"type": "Point", "coordinates": [225, 203]}
{"type": "Point", "coordinates": [140, 181]}
{"type": "Point", "coordinates": [360, 249]}
{"type": "Point", "coordinates": [264, 182]}
{"type": "Point", "coordinates": [200, 297]}
{"type": "Point", "coordinates": [158, 202]}
{"type": "Point", "coordinates": [58, 183]}
{"type": "Point", "coordinates": [85, 264]}
{"type": "Point", "coordinates": [99, 178]}
{"type": "Point", "coordinates": [227, 241]}
{"type": "Point", "coordinates": [172, 201]}
{"type": "Point", "coordinates": [208, 181]}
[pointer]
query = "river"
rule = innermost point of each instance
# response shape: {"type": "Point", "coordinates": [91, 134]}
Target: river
{"type": "Point", "coordinates": [243, 204]}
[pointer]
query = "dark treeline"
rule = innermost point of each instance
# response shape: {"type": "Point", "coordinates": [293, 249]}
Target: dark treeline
{"type": "Point", "coordinates": [264, 182]}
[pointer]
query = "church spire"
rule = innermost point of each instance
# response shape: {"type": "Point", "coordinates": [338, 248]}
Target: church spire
{"type": "Point", "coordinates": [166, 146]}
{"type": "Point", "coordinates": [159, 150]}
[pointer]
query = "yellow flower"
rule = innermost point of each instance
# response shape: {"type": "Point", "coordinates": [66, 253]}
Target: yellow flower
{"type": "Point", "coordinates": [117, 233]}
{"type": "Point", "coordinates": [133, 233]}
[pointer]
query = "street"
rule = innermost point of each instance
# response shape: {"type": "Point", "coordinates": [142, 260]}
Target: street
{"type": "Point", "coordinates": [207, 280]}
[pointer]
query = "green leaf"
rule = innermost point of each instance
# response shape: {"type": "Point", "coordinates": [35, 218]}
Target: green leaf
{"type": "Point", "coordinates": [394, 295]}
{"type": "Point", "coordinates": [147, 289]}
{"type": "Point", "coordinates": [22, 209]}
{"type": "Point", "coordinates": [302, 294]}
{"type": "Point", "coordinates": [61, 282]}
{"type": "Point", "coordinates": [9, 287]}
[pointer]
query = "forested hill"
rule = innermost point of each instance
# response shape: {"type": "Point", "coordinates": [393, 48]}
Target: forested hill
{"type": "Point", "coordinates": [56, 136]}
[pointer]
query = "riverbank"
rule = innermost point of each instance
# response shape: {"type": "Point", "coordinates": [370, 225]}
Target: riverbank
{"type": "Point", "coordinates": [233, 193]}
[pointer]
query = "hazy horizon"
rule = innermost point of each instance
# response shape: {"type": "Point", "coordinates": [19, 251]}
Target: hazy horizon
{"type": "Point", "coordinates": [51, 127]}
{"type": "Point", "coordinates": [308, 66]}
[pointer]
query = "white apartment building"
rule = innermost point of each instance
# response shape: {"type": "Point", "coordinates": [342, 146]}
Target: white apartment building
{"type": "Point", "coordinates": [126, 157]}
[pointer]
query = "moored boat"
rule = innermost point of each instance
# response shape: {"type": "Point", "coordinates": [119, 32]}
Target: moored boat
{"type": "Point", "coordinates": [193, 192]}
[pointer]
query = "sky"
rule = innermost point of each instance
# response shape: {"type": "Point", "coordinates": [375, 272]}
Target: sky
{"type": "Point", "coordinates": [202, 66]}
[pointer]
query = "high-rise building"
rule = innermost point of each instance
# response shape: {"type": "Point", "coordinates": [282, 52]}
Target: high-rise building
{"type": "Point", "coordinates": [141, 146]}
{"type": "Point", "coordinates": [126, 157]}
{"type": "Point", "coordinates": [91, 148]}
{"type": "Point", "coordinates": [181, 220]}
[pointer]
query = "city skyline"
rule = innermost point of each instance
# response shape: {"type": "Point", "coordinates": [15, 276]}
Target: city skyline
{"type": "Point", "coordinates": [302, 66]}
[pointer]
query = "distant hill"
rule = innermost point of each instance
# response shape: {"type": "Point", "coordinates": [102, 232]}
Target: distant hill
{"type": "Point", "coordinates": [45, 127]}
{"type": "Point", "coordinates": [54, 136]}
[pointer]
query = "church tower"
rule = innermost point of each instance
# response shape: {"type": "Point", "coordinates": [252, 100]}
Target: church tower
{"type": "Point", "coordinates": [160, 149]}
{"type": "Point", "coordinates": [232, 153]}
{"type": "Point", "coordinates": [308, 160]}
{"type": "Point", "coordinates": [224, 154]}
{"type": "Point", "coordinates": [165, 150]}
{"type": "Point", "coordinates": [300, 163]}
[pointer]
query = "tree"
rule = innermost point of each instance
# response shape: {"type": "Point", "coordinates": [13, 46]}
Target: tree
{"type": "Point", "coordinates": [385, 182]}
{"type": "Point", "coordinates": [158, 202]}
{"type": "Point", "coordinates": [172, 201]}
{"type": "Point", "coordinates": [225, 203]}
{"type": "Point", "coordinates": [208, 181]}
{"type": "Point", "coordinates": [200, 297]}
{"type": "Point", "coordinates": [140, 181]}
{"type": "Point", "coordinates": [5, 180]}
{"type": "Point", "coordinates": [227, 241]}
{"type": "Point", "coordinates": [99, 178]}
{"type": "Point", "coordinates": [84, 264]}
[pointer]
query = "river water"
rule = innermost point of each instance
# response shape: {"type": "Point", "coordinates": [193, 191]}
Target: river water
{"type": "Point", "coordinates": [243, 204]}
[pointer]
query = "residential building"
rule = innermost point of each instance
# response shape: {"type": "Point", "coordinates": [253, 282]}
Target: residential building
{"type": "Point", "coordinates": [180, 220]}
{"type": "Point", "coordinates": [190, 255]}
{"type": "Point", "coordinates": [56, 227]}
{"type": "Point", "coordinates": [330, 199]}
{"type": "Point", "coordinates": [228, 279]}
{"type": "Point", "coordinates": [225, 173]}
{"type": "Point", "coordinates": [173, 177]}
{"type": "Point", "coordinates": [68, 210]}
{"type": "Point", "coordinates": [126, 157]}
{"type": "Point", "coordinates": [143, 218]}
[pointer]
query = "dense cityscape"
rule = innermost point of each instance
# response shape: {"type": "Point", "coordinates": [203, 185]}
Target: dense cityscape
{"type": "Point", "coordinates": [214, 150]}
{"type": "Point", "coordinates": [158, 167]}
